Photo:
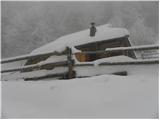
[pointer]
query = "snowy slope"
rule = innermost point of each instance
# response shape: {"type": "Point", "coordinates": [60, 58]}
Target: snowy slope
{"type": "Point", "coordinates": [104, 96]}
{"type": "Point", "coordinates": [104, 32]}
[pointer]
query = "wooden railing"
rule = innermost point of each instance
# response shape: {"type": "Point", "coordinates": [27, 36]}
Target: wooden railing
{"type": "Point", "coordinates": [134, 48]}
{"type": "Point", "coordinates": [24, 57]}
{"type": "Point", "coordinates": [71, 64]}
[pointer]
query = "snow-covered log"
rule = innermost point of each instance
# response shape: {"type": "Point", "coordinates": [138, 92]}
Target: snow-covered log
{"type": "Point", "coordinates": [122, 73]}
{"type": "Point", "coordinates": [132, 62]}
{"type": "Point", "coordinates": [155, 61]}
{"type": "Point", "coordinates": [65, 63]}
{"type": "Point", "coordinates": [37, 66]}
{"type": "Point", "coordinates": [28, 56]}
{"type": "Point", "coordinates": [142, 47]}
{"type": "Point", "coordinates": [56, 75]}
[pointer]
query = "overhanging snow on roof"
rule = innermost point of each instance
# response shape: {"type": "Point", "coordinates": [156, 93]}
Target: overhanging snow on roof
{"type": "Point", "coordinates": [104, 32]}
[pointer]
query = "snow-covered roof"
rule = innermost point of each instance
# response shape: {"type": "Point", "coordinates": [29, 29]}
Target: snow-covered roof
{"type": "Point", "coordinates": [104, 32]}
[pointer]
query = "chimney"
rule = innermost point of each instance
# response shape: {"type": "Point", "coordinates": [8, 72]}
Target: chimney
{"type": "Point", "coordinates": [93, 30]}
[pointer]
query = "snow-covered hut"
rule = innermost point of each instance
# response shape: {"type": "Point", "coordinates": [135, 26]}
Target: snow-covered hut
{"type": "Point", "coordinates": [106, 37]}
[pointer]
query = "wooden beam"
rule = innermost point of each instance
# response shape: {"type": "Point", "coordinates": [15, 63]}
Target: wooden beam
{"type": "Point", "coordinates": [121, 73]}
{"type": "Point", "coordinates": [28, 56]}
{"type": "Point", "coordinates": [37, 66]}
{"type": "Point", "coordinates": [134, 62]}
{"type": "Point", "coordinates": [146, 47]}
{"type": "Point", "coordinates": [59, 75]}
{"type": "Point", "coordinates": [131, 62]}
{"type": "Point", "coordinates": [142, 47]}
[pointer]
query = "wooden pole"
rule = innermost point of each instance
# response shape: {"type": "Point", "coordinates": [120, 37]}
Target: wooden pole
{"type": "Point", "coordinates": [70, 64]}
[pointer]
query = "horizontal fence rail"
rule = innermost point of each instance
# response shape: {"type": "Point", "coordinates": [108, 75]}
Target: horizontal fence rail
{"type": "Point", "coordinates": [70, 61]}
{"type": "Point", "coordinates": [65, 63]}
{"type": "Point", "coordinates": [24, 57]}
{"type": "Point", "coordinates": [37, 66]}
{"type": "Point", "coordinates": [59, 75]}
{"type": "Point", "coordinates": [28, 56]}
{"type": "Point", "coordinates": [155, 61]}
{"type": "Point", "coordinates": [151, 61]}
{"type": "Point", "coordinates": [65, 74]}
{"type": "Point", "coordinates": [146, 47]}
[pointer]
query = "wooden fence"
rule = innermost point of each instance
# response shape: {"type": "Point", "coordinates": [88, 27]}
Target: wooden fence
{"type": "Point", "coordinates": [71, 64]}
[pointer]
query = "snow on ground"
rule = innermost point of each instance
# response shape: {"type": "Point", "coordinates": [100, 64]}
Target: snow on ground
{"type": "Point", "coordinates": [103, 96]}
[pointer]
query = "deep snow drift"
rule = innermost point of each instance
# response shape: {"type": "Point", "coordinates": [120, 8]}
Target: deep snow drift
{"type": "Point", "coordinates": [104, 96]}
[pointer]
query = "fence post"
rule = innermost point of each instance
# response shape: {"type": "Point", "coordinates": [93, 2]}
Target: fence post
{"type": "Point", "coordinates": [70, 64]}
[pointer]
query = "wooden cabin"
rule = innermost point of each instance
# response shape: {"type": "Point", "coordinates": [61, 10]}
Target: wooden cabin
{"type": "Point", "coordinates": [105, 37]}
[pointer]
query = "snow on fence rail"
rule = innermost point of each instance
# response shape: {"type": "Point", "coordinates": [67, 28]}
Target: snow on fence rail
{"type": "Point", "coordinates": [134, 62]}
{"type": "Point", "coordinates": [65, 63]}
{"type": "Point", "coordinates": [70, 62]}
{"type": "Point", "coordinates": [142, 47]}
{"type": "Point", "coordinates": [37, 66]}
{"type": "Point", "coordinates": [24, 57]}
{"type": "Point", "coordinates": [72, 73]}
